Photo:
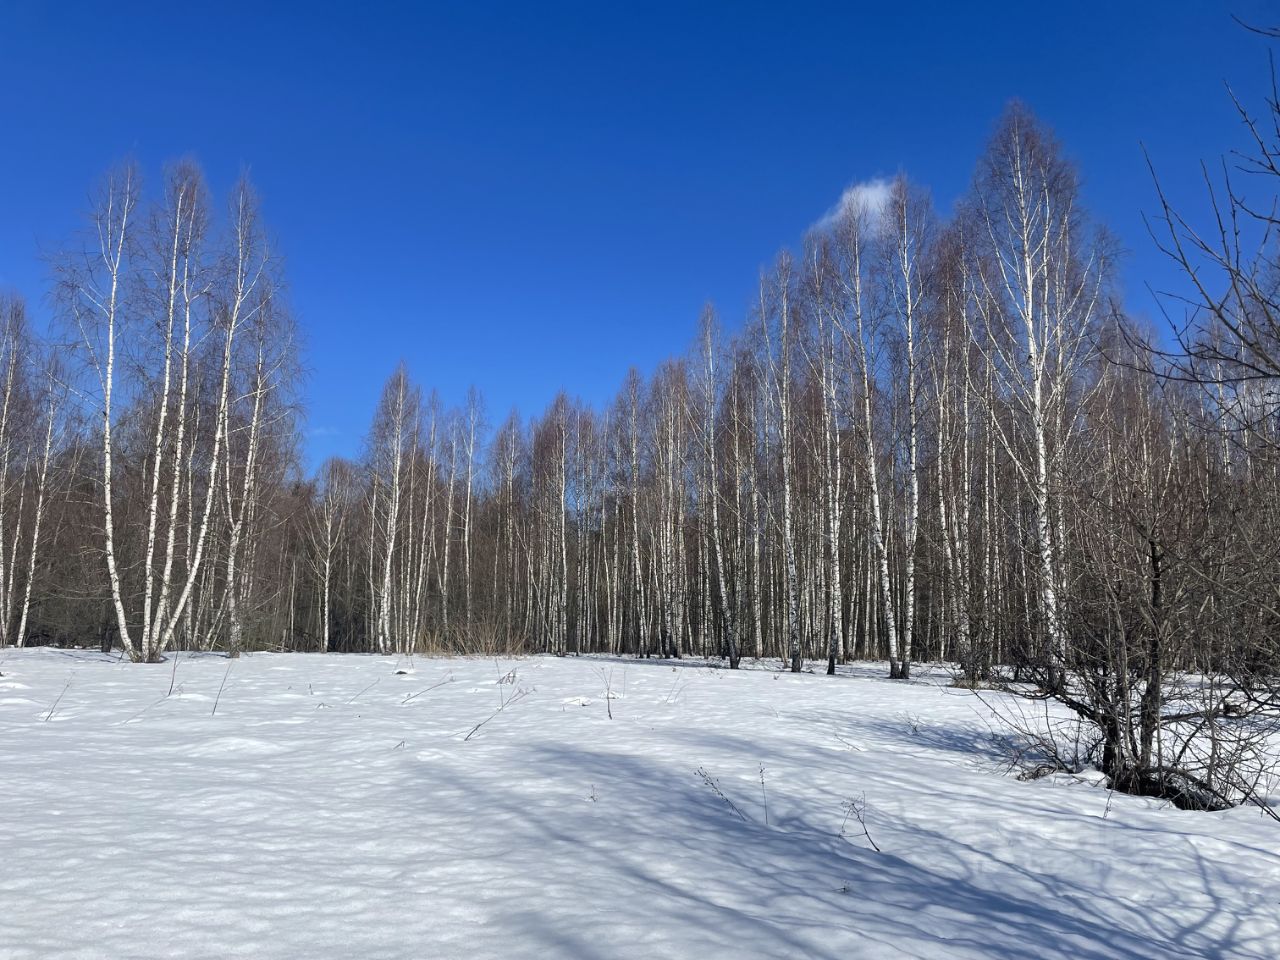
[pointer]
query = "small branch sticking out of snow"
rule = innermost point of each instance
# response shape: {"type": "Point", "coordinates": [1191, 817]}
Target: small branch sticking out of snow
{"type": "Point", "coordinates": [858, 810]}
{"type": "Point", "coordinates": [711, 782]}
{"type": "Point", "coordinates": [49, 715]}
{"type": "Point", "coordinates": [363, 692]}
{"type": "Point", "coordinates": [221, 687]}
{"type": "Point", "coordinates": [414, 696]}
{"type": "Point", "coordinates": [173, 676]}
{"type": "Point", "coordinates": [765, 795]}
{"type": "Point", "coordinates": [518, 695]}
{"type": "Point", "coordinates": [607, 679]}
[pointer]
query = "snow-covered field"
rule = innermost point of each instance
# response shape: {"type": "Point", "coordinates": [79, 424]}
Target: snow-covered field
{"type": "Point", "coordinates": [333, 807]}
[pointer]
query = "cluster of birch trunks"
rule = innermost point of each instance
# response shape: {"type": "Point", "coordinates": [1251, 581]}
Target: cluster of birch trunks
{"type": "Point", "coordinates": [934, 437]}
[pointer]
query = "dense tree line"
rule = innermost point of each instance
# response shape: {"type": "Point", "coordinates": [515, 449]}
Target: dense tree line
{"type": "Point", "coordinates": [934, 438]}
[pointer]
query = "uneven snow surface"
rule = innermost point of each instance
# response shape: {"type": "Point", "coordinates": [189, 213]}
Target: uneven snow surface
{"type": "Point", "coordinates": [334, 807]}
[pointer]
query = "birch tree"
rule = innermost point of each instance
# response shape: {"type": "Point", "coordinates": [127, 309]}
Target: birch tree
{"type": "Point", "coordinates": [389, 450]}
{"type": "Point", "coordinates": [775, 310]}
{"type": "Point", "coordinates": [906, 225]}
{"type": "Point", "coordinates": [329, 522]}
{"type": "Point", "coordinates": [710, 453]}
{"type": "Point", "coordinates": [124, 274]}
{"type": "Point", "coordinates": [858, 330]}
{"type": "Point", "coordinates": [1042, 276]}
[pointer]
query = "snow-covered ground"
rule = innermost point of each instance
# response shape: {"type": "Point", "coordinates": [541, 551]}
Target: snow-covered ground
{"type": "Point", "coordinates": [334, 807]}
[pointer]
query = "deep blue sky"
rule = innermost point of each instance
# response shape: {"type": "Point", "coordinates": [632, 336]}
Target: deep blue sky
{"type": "Point", "coordinates": [530, 197]}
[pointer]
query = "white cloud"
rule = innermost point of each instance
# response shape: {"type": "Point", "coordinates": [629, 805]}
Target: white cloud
{"type": "Point", "coordinates": [870, 197]}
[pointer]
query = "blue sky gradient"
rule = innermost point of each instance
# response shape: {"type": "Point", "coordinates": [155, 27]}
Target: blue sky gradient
{"type": "Point", "coordinates": [536, 197]}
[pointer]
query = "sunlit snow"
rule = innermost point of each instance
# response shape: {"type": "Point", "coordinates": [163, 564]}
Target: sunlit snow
{"type": "Point", "coordinates": [351, 806]}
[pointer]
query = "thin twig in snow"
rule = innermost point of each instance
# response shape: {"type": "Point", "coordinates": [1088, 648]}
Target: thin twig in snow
{"type": "Point", "coordinates": [146, 708]}
{"type": "Point", "coordinates": [48, 715]}
{"type": "Point", "coordinates": [514, 697]}
{"type": "Point", "coordinates": [765, 795]}
{"type": "Point", "coordinates": [414, 696]}
{"type": "Point", "coordinates": [221, 686]}
{"type": "Point", "coordinates": [673, 691]}
{"type": "Point", "coordinates": [607, 679]}
{"type": "Point", "coordinates": [364, 691]}
{"type": "Point", "coordinates": [174, 675]}
{"type": "Point", "coordinates": [858, 809]}
{"type": "Point", "coordinates": [711, 782]}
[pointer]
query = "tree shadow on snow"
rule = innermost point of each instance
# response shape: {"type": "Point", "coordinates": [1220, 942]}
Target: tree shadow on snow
{"type": "Point", "coordinates": [678, 869]}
